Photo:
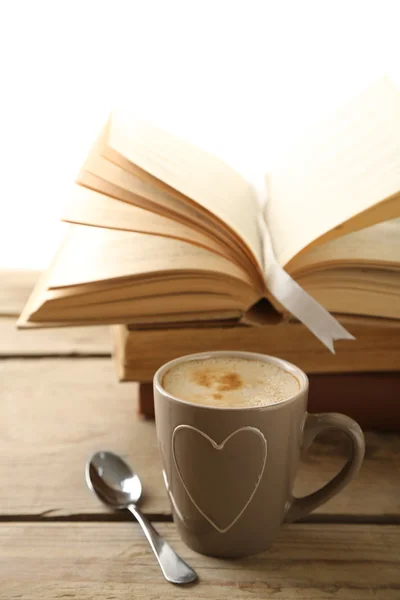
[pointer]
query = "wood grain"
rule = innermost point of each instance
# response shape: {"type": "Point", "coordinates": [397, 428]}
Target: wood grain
{"type": "Point", "coordinates": [74, 341]}
{"type": "Point", "coordinates": [56, 412]}
{"type": "Point", "coordinates": [112, 561]}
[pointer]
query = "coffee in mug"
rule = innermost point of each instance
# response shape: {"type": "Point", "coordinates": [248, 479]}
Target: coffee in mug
{"type": "Point", "coordinates": [230, 382]}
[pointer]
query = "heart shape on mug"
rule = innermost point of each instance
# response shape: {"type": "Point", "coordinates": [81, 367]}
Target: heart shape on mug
{"type": "Point", "coordinates": [205, 470]}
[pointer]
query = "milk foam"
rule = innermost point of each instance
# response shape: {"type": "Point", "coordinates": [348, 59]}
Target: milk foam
{"type": "Point", "coordinates": [230, 382]}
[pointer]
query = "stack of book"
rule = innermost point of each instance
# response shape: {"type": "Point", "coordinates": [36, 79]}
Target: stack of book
{"type": "Point", "coordinates": [165, 241]}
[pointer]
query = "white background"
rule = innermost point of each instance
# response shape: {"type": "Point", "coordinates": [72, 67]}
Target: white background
{"type": "Point", "coordinates": [239, 78]}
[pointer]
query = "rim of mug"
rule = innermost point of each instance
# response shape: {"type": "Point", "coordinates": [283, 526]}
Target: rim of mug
{"type": "Point", "coordinates": [280, 362]}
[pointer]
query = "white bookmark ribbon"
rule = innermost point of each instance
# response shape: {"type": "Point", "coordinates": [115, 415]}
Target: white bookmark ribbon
{"type": "Point", "coordinates": [295, 300]}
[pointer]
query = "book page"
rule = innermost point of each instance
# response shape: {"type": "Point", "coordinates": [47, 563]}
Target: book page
{"type": "Point", "coordinates": [345, 175]}
{"type": "Point", "coordinates": [100, 174]}
{"type": "Point", "coordinates": [98, 293]}
{"type": "Point", "coordinates": [87, 207]}
{"type": "Point", "coordinates": [131, 188]}
{"type": "Point", "coordinates": [376, 246]}
{"type": "Point", "coordinates": [106, 254]}
{"type": "Point", "coordinates": [130, 308]}
{"type": "Point", "coordinates": [197, 175]}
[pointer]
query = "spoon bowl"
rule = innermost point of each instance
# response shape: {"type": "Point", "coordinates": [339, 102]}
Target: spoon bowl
{"type": "Point", "coordinates": [112, 480]}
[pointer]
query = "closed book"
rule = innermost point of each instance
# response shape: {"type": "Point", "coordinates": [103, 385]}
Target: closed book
{"type": "Point", "coordinates": [138, 353]}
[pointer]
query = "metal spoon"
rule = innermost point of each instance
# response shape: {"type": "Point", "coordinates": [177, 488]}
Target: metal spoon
{"type": "Point", "coordinates": [117, 486]}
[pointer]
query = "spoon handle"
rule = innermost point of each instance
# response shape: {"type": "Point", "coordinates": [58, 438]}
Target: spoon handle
{"type": "Point", "coordinates": [173, 567]}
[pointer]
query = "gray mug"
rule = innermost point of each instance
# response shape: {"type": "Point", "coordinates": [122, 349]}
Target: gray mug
{"type": "Point", "coordinates": [229, 472]}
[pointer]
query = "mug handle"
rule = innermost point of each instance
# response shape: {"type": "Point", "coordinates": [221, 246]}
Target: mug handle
{"type": "Point", "coordinates": [314, 425]}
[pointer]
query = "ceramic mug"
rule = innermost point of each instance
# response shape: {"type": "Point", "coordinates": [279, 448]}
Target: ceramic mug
{"type": "Point", "coordinates": [229, 472]}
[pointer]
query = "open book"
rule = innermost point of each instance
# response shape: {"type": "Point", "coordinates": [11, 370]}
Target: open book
{"type": "Point", "coordinates": [162, 232]}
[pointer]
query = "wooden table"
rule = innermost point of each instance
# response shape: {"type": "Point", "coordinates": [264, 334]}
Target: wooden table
{"type": "Point", "coordinates": [60, 402]}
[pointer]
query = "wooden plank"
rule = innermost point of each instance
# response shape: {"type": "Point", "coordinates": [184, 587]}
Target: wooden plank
{"type": "Point", "coordinates": [56, 412]}
{"type": "Point", "coordinates": [15, 288]}
{"type": "Point", "coordinates": [74, 341]}
{"type": "Point", "coordinates": [112, 560]}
